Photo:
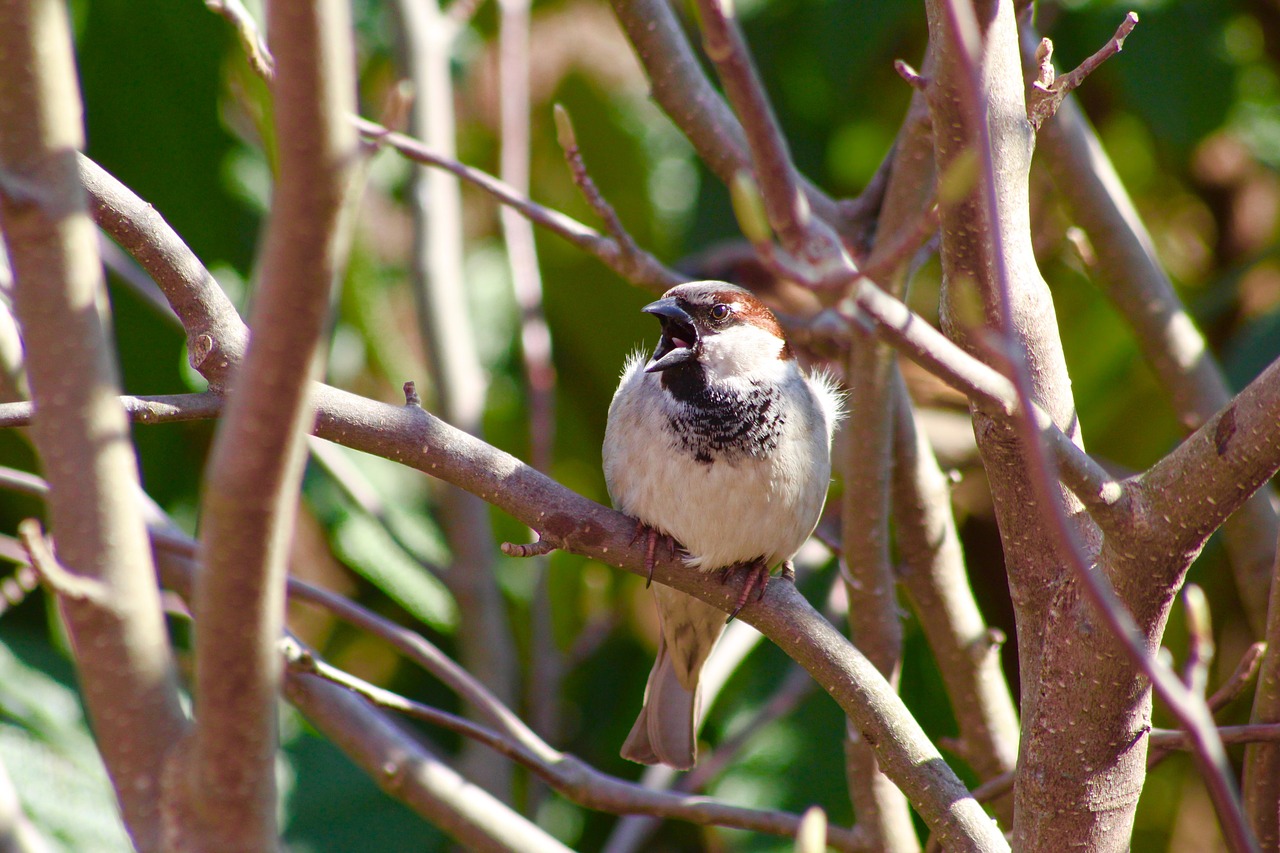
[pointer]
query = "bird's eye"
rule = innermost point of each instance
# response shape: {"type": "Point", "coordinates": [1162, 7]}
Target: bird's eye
{"type": "Point", "coordinates": [719, 311]}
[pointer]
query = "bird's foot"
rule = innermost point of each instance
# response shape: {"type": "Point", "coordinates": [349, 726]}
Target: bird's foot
{"type": "Point", "coordinates": [756, 579]}
{"type": "Point", "coordinates": [652, 537]}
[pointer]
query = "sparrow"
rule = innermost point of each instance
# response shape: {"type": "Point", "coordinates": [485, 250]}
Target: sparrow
{"type": "Point", "coordinates": [719, 442]}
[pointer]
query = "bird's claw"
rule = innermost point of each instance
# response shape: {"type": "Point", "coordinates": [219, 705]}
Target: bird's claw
{"type": "Point", "coordinates": [651, 535]}
{"type": "Point", "coordinates": [757, 579]}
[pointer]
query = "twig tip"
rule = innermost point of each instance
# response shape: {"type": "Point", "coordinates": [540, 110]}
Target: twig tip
{"type": "Point", "coordinates": [411, 397]}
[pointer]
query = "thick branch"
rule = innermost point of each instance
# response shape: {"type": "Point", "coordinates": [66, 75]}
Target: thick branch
{"type": "Point", "coordinates": [119, 639]}
{"type": "Point", "coordinates": [256, 462]}
{"type": "Point", "coordinates": [1188, 494]}
{"type": "Point", "coordinates": [1130, 275]}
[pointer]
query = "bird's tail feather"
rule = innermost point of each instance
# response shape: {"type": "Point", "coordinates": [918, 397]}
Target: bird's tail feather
{"type": "Point", "coordinates": [666, 730]}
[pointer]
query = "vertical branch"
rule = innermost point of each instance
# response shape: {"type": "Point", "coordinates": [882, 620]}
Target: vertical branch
{"type": "Point", "coordinates": [1131, 277]}
{"type": "Point", "coordinates": [255, 467]}
{"type": "Point", "coordinates": [458, 379]}
{"type": "Point", "coordinates": [868, 575]}
{"type": "Point", "coordinates": [934, 576]}
{"type": "Point", "coordinates": [1262, 760]}
{"type": "Point", "coordinates": [991, 281]}
{"type": "Point", "coordinates": [81, 432]}
{"type": "Point", "coordinates": [869, 438]}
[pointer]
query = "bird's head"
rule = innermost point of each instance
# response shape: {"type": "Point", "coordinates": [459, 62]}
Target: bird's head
{"type": "Point", "coordinates": [719, 327]}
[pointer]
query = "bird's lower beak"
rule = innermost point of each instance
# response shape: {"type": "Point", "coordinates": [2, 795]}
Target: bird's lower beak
{"type": "Point", "coordinates": [679, 336]}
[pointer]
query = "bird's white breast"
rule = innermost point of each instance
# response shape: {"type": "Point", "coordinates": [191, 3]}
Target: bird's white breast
{"type": "Point", "coordinates": [735, 507]}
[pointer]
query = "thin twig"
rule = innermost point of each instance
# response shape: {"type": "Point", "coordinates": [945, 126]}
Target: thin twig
{"type": "Point", "coordinates": [577, 166]}
{"type": "Point", "coordinates": [57, 577]}
{"type": "Point", "coordinates": [1046, 94]}
{"type": "Point", "coordinates": [641, 269]}
{"type": "Point", "coordinates": [804, 236]}
{"type": "Point", "coordinates": [249, 34]}
{"type": "Point", "coordinates": [1245, 672]}
{"type": "Point", "coordinates": [914, 78]}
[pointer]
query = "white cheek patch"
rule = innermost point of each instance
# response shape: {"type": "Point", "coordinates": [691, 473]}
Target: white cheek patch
{"type": "Point", "coordinates": [742, 351]}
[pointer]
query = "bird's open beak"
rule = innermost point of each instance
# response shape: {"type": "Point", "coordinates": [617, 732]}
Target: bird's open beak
{"type": "Point", "coordinates": [678, 335]}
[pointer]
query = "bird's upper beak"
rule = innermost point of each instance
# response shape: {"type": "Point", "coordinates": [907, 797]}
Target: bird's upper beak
{"type": "Point", "coordinates": [679, 335]}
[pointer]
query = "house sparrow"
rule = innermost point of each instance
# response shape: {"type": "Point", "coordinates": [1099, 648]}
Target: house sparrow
{"type": "Point", "coordinates": [719, 442]}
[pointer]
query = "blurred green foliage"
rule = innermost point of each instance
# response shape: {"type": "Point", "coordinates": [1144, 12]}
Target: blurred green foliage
{"type": "Point", "coordinates": [1190, 112]}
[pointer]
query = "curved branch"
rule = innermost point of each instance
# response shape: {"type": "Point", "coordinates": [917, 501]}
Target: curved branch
{"type": "Point", "coordinates": [578, 781]}
{"type": "Point", "coordinates": [216, 336]}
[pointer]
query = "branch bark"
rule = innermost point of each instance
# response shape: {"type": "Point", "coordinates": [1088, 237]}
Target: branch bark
{"type": "Point", "coordinates": [255, 467]}
{"type": "Point", "coordinates": [119, 639]}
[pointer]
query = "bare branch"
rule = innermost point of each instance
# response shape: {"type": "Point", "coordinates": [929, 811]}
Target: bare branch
{"type": "Point", "coordinates": [256, 463]}
{"type": "Point", "coordinates": [121, 646]}
{"type": "Point", "coordinates": [60, 581]}
{"type": "Point", "coordinates": [1131, 277]}
{"type": "Point", "coordinates": [165, 408]}
{"type": "Point", "coordinates": [805, 237]}
{"type": "Point", "coordinates": [424, 442]}
{"type": "Point", "coordinates": [446, 330]}
{"type": "Point", "coordinates": [403, 767]}
{"type": "Point", "coordinates": [639, 267]}
{"type": "Point", "coordinates": [1046, 93]}
{"type": "Point", "coordinates": [216, 336]}
{"type": "Point", "coordinates": [934, 577]}
{"type": "Point", "coordinates": [574, 779]}
{"type": "Point", "coordinates": [957, 25]}
{"type": "Point", "coordinates": [914, 78]}
{"type": "Point", "coordinates": [250, 36]}
{"type": "Point", "coordinates": [682, 90]}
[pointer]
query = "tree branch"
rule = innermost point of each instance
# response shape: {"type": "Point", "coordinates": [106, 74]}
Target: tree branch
{"type": "Point", "coordinates": [399, 763]}
{"type": "Point", "coordinates": [216, 336]}
{"type": "Point", "coordinates": [255, 466]}
{"type": "Point", "coordinates": [416, 438]}
{"type": "Point", "coordinates": [576, 780]}
{"type": "Point", "coordinates": [121, 647]}
{"type": "Point", "coordinates": [934, 576]}
{"type": "Point", "coordinates": [680, 87]}
{"type": "Point", "coordinates": [805, 237]}
{"type": "Point", "coordinates": [1131, 277]}
{"type": "Point", "coordinates": [459, 384]}
{"type": "Point", "coordinates": [633, 264]}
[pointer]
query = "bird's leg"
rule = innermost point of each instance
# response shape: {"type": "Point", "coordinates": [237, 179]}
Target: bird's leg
{"type": "Point", "coordinates": [757, 578]}
{"type": "Point", "coordinates": [651, 535]}
{"type": "Point", "coordinates": [788, 571]}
